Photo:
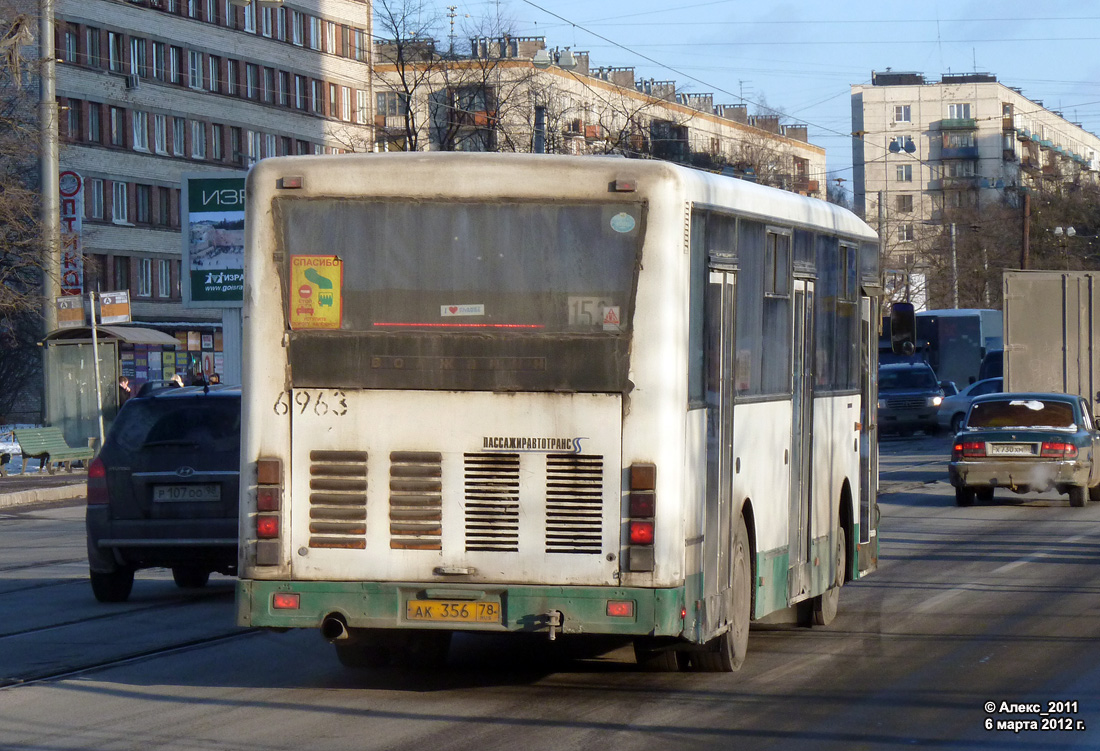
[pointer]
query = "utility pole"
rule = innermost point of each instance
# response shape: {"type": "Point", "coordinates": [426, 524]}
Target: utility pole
{"type": "Point", "coordinates": [1025, 246]}
{"type": "Point", "coordinates": [49, 167]}
{"type": "Point", "coordinates": [954, 270]}
{"type": "Point", "coordinates": [451, 13]}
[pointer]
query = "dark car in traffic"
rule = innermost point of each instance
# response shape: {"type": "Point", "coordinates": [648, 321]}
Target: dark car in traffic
{"type": "Point", "coordinates": [908, 398]}
{"type": "Point", "coordinates": [1026, 442]}
{"type": "Point", "coordinates": [163, 490]}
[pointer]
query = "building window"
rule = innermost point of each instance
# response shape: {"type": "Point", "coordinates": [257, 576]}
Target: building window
{"type": "Point", "coordinates": [193, 8]}
{"type": "Point", "coordinates": [271, 145]}
{"type": "Point", "coordinates": [284, 88]}
{"type": "Point", "coordinates": [362, 45]}
{"type": "Point", "coordinates": [905, 173]}
{"type": "Point", "coordinates": [280, 24]}
{"type": "Point", "coordinates": [139, 65]}
{"type": "Point", "coordinates": [160, 72]}
{"type": "Point", "coordinates": [114, 51]}
{"type": "Point", "coordinates": [317, 99]}
{"type": "Point", "coordinates": [179, 136]}
{"type": "Point", "coordinates": [960, 169]}
{"type": "Point", "coordinates": [91, 38]}
{"type": "Point", "coordinates": [267, 21]}
{"type": "Point", "coordinates": [72, 119]}
{"type": "Point", "coordinates": [345, 103]}
{"type": "Point", "coordinates": [95, 133]}
{"type": "Point", "coordinates": [68, 47]}
{"type": "Point", "coordinates": [904, 204]}
{"type": "Point", "coordinates": [143, 204]}
{"type": "Point", "coordinates": [251, 80]}
{"type": "Point", "coordinates": [213, 72]}
{"type": "Point", "coordinates": [144, 277]}
{"type": "Point", "coordinates": [164, 208]}
{"type": "Point", "coordinates": [958, 111]}
{"type": "Point", "coordinates": [314, 32]}
{"type": "Point", "coordinates": [333, 103]}
{"type": "Point", "coordinates": [212, 11]}
{"type": "Point", "coordinates": [777, 264]}
{"type": "Point", "coordinates": [361, 113]}
{"type": "Point", "coordinates": [122, 272]}
{"type": "Point", "coordinates": [119, 205]}
{"type": "Point", "coordinates": [175, 64]}
{"type": "Point", "coordinates": [956, 140]}
{"type": "Point", "coordinates": [391, 104]}
{"type": "Point", "coordinates": [217, 153]}
{"type": "Point", "coordinates": [905, 232]}
{"type": "Point", "coordinates": [233, 86]}
{"type": "Point", "coordinates": [250, 17]}
{"type": "Point", "coordinates": [198, 139]}
{"type": "Point", "coordinates": [118, 127]}
{"type": "Point", "coordinates": [164, 279]}
{"type": "Point", "coordinates": [300, 92]}
{"type": "Point", "coordinates": [330, 37]}
{"type": "Point", "coordinates": [140, 121]}
{"type": "Point", "coordinates": [269, 85]}
{"type": "Point", "coordinates": [160, 134]}
{"type": "Point", "coordinates": [235, 145]}
{"type": "Point", "coordinates": [902, 113]}
{"type": "Point", "coordinates": [252, 141]}
{"type": "Point", "coordinates": [297, 28]}
{"type": "Point", "coordinates": [173, 6]}
{"type": "Point", "coordinates": [194, 69]}
{"type": "Point", "coordinates": [93, 188]}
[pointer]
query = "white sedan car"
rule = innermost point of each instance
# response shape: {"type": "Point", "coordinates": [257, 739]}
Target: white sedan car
{"type": "Point", "coordinates": [953, 409]}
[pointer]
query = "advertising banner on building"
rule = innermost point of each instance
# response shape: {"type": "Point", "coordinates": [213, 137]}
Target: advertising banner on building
{"type": "Point", "coordinates": [213, 240]}
{"type": "Point", "coordinates": [71, 188]}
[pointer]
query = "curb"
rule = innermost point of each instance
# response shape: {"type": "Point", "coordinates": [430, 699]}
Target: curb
{"type": "Point", "coordinates": [42, 495]}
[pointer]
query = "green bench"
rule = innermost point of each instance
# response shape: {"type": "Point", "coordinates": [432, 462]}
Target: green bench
{"type": "Point", "coordinates": [48, 446]}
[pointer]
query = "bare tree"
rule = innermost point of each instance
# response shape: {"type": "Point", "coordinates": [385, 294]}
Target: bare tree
{"type": "Point", "coordinates": [407, 29]}
{"type": "Point", "coordinates": [22, 259]}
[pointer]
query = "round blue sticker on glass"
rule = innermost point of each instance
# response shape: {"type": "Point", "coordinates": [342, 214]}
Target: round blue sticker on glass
{"type": "Point", "coordinates": [622, 222]}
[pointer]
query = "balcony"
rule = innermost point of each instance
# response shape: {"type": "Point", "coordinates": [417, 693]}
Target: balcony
{"type": "Point", "coordinates": [806, 186]}
{"type": "Point", "coordinates": [959, 152]}
{"type": "Point", "coordinates": [957, 183]}
{"type": "Point", "coordinates": [959, 123]}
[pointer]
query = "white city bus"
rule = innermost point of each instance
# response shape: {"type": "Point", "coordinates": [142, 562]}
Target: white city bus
{"type": "Point", "coordinates": [556, 395]}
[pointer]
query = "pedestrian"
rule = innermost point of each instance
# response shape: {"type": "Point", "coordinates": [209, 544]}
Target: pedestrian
{"type": "Point", "coordinates": [214, 378]}
{"type": "Point", "coordinates": [177, 381]}
{"type": "Point", "coordinates": [124, 391]}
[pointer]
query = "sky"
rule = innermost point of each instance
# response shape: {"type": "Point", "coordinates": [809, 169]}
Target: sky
{"type": "Point", "coordinates": [803, 57]}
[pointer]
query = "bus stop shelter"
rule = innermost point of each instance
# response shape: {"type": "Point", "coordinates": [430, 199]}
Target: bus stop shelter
{"type": "Point", "coordinates": [70, 376]}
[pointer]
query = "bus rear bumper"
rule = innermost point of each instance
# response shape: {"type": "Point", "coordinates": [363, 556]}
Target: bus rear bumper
{"type": "Point", "coordinates": [519, 609]}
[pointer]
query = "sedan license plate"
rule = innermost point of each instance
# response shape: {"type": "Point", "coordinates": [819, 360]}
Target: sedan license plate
{"type": "Point", "coordinates": [1011, 449]}
{"type": "Point", "coordinates": [453, 611]}
{"type": "Point", "coordinates": [198, 492]}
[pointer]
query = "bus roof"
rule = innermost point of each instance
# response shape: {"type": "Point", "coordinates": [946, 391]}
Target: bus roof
{"type": "Point", "coordinates": [543, 176]}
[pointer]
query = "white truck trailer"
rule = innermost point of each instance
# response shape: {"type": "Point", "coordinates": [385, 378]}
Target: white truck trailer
{"type": "Point", "coordinates": [1052, 333]}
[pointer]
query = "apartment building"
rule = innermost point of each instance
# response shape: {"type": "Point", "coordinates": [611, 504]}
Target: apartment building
{"type": "Point", "coordinates": [963, 142]}
{"type": "Point", "coordinates": [515, 94]}
{"type": "Point", "coordinates": [151, 89]}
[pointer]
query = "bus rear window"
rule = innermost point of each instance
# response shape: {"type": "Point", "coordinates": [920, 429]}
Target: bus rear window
{"type": "Point", "coordinates": [501, 267]}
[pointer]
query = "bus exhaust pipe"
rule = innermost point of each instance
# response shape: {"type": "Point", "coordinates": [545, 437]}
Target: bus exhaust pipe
{"type": "Point", "coordinates": [333, 629]}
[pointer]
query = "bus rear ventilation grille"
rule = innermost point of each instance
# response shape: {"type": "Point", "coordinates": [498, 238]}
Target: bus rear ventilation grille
{"type": "Point", "coordinates": [416, 500]}
{"type": "Point", "coordinates": [574, 503]}
{"type": "Point", "coordinates": [338, 499]}
{"type": "Point", "coordinates": [492, 502]}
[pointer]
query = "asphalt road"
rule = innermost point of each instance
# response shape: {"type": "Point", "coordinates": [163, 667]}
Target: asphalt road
{"type": "Point", "coordinates": [996, 603]}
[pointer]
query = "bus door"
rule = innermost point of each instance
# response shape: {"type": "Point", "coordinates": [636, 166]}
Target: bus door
{"type": "Point", "coordinates": [721, 301]}
{"type": "Point", "coordinates": [802, 415]}
{"type": "Point", "coordinates": [867, 552]}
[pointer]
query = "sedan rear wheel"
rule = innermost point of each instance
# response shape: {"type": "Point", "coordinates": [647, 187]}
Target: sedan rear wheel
{"type": "Point", "coordinates": [1078, 495]}
{"type": "Point", "coordinates": [964, 496]}
{"type": "Point", "coordinates": [114, 586]}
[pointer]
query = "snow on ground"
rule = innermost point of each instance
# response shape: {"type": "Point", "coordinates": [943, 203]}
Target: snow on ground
{"type": "Point", "coordinates": [9, 446]}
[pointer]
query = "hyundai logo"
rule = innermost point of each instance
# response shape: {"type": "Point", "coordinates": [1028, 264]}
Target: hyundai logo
{"type": "Point", "coordinates": [185, 471]}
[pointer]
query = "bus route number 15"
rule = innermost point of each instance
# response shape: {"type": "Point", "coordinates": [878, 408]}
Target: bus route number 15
{"type": "Point", "coordinates": [320, 401]}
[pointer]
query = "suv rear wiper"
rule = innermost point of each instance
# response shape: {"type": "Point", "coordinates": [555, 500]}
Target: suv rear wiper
{"type": "Point", "coordinates": [171, 442]}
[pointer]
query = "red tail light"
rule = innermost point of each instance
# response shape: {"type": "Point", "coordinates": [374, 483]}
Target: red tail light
{"type": "Point", "coordinates": [97, 483]}
{"type": "Point", "coordinates": [967, 450]}
{"type": "Point", "coordinates": [286, 600]}
{"type": "Point", "coordinates": [1057, 450]}
{"type": "Point", "coordinates": [641, 533]}
{"type": "Point", "coordinates": [267, 526]}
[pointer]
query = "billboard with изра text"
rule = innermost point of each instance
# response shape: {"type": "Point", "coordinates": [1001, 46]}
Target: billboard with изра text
{"type": "Point", "coordinates": [213, 240]}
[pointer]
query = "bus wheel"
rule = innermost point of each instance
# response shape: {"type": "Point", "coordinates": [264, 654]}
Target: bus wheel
{"type": "Point", "coordinates": [364, 649]}
{"type": "Point", "coordinates": [423, 650]}
{"type": "Point", "coordinates": [190, 578]}
{"type": "Point", "coordinates": [726, 652]}
{"type": "Point", "coordinates": [828, 602]}
{"type": "Point", "coordinates": [652, 658]}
